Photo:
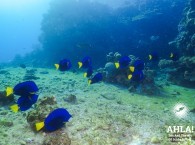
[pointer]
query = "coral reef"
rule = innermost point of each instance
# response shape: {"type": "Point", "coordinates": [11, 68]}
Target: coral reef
{"type": "Point", "coordinates": [57, 138]}
{"type": "Point", "coordinates": [182, 72]}
{"type": "Point", "coordinates": [119, 76]}
{"type": "Point", "coordinates": [163, 63]}
{"type": "Point", "coordinates": [185, 40]}
{"type": "Point", "coordinates": [113, 57]}
{"type": "Point", "coordinates": [75, 34]}
{"type": "Point", "coordinates": [42, 109]}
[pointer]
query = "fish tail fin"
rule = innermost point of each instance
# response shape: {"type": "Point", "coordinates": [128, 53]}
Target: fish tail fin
{"type": "Point", "coordinates": [57, 66]}
{"type": "Point", "coordinates": [14, 108]}
{"type": "Point", "coordinates": [9, 91]}
{"type": "Point", "coordinates": [132, 68]}
{"type": "Point", "coordinates": [129, 76]}
{"type": "Point", "coordinates": [80, 64]}
{"type": "Point", "coordinates": [150, 57]}
{"type": "Point", "coordinates": [85, 75]}
{"type": "Point", "coordinates": [171, 55]}
{"type": "Point", "coordinates": [89, 82]}
{"type": "Point", "coordinates": [117, 65]}
{"type": "Point", "coordinates": [39, 126]}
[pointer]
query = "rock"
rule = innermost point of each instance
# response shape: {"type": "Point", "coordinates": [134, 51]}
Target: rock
{"type": "Point", "coordinates": [110, 69]}
{"type": "Point", "coordinates": [155, 140]}
{"type": "Point", "coordinates": [108, 96]}
{"type": "Point", "coordinates": [30, 75]}
{"type": "Point", "coordinates": [44, 72]}
{"type": "Point", "coordinates": [42, 108]}
{"type": "Point", "coordinates": [22, 142]}
{"type": "Point", "coordinates": [71, 99]}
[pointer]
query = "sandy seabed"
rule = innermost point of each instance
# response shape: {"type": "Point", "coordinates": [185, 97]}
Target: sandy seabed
{"type": "Point", "coordinates": [104, 114]}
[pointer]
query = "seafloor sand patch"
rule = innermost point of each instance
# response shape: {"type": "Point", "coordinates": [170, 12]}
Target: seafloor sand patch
{"type": "Point", "coordinates": [104, 114]}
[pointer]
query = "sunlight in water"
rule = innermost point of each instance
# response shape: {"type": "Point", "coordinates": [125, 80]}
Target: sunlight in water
{"type": "Point", "coordinates": [16, 4]}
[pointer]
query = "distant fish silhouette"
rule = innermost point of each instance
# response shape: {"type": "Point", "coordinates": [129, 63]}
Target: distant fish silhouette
{"type": "Point", "coordinates": [22, 65]}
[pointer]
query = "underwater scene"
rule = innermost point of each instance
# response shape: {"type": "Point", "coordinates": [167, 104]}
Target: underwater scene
{"type": "Point", "coordinates": [97, 72]}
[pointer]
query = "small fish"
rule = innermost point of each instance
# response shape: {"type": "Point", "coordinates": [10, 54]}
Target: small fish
{"type": "Point", "coordinates": [22, 89]}
{"type": "Point", "coordinates": [153, 56]}
{"type": "Point", "coordinates": [24, 103]}
{"type": "Point", "coordinates": [138, 65]}
{"type": "Point", "coordinates": [22, 65]}
{"type": "Point", "coordinates": [136, 76]}
{"type": "Point", "coordinates": [123, 62]}
{"type": "Point", "coordinates": [96, 78]}
{"type": "Point", "coordinates": [88, 73]}
{"type": "Point", "coordinates": [85, 63]}
{"type": "Point", "coordinates": [174, 56]}
{"type": "Point", "coordinates": [63, 65]}
{"type": "Point", "coordinates": [55, 120]}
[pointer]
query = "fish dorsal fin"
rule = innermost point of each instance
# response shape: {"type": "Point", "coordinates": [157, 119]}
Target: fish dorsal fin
{"type": "Point", "coordinates": [14, 108]}
{"type": "Point", "coordinates": [80, 64]}
{"type": "Point", "coordinates": [150, 57]}
{"type": "Point", "coordinates": [39, 126]}
{"type": "Point", "coordinates": [9, 91]}
{"type": "Point", "coordinates": [85, 75]}
{"type": "Point", "coordinates": [117, 65]}
{"type": "Point", "coordinates": [132, 68]}
{"type": "Point", "coordinates": [57, 66]}
{"type": "Point", "coordinates": [129, 76]}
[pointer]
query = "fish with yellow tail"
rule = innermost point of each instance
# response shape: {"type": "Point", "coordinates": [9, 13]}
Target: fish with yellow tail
{"type": "Point", "coordinates": [63, 65]}
{"type": "Point", "coordinates": [22, 89]}
{"type": "Point", "coordinates": [123, 62]}
{"type": "Point", "coordinates": [88, 73]}
{"type": "Point", "coordinates": [136, 76]}
{"type": "Point", "coordinates": [24, 103]}
{"type": "Point", "coordinates": [85, 63]}
{"type": "Point", "coordinates": [54, 121]}
{"type": "Point", "coordinates": [95, 79]}
{"type": "Point", "coordinates": [138, 65]}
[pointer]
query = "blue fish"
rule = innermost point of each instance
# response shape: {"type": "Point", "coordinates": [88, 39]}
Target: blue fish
{"type": "Point", "coordinates": [55, 120]}
{"type": "Point", "coordinates": [96, 78]}
{"type": "Point", "coordinates": [23, 89]}
{"type": "Point", "coordinates": [24, 103]}
{"type": "Point", "coordinates": [138, 65]}
{"type": "Point", "coordinates": [136, 76]}
{"type": "Point", "coordinates": [85, 63]}
{"type": "Point", "coordinates": [63, 65]}
{"type": "Point", "coordinates": [123, 62]}
{"type": "Point", "coordinates": [88, 73]}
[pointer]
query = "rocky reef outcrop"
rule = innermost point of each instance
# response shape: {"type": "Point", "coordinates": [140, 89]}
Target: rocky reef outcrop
{"type": "Point", "coordinates": [42, 109]}
{"type": "Point", "coordinates": [185, 40]}
{"type": "Point", "coordinates": [113, 75]}
{"type": "Point", "coordinates": [182, 72]}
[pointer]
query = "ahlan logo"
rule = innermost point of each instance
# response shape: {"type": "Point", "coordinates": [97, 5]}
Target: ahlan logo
{"type": "Point", "coordinates": [180, 110]}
